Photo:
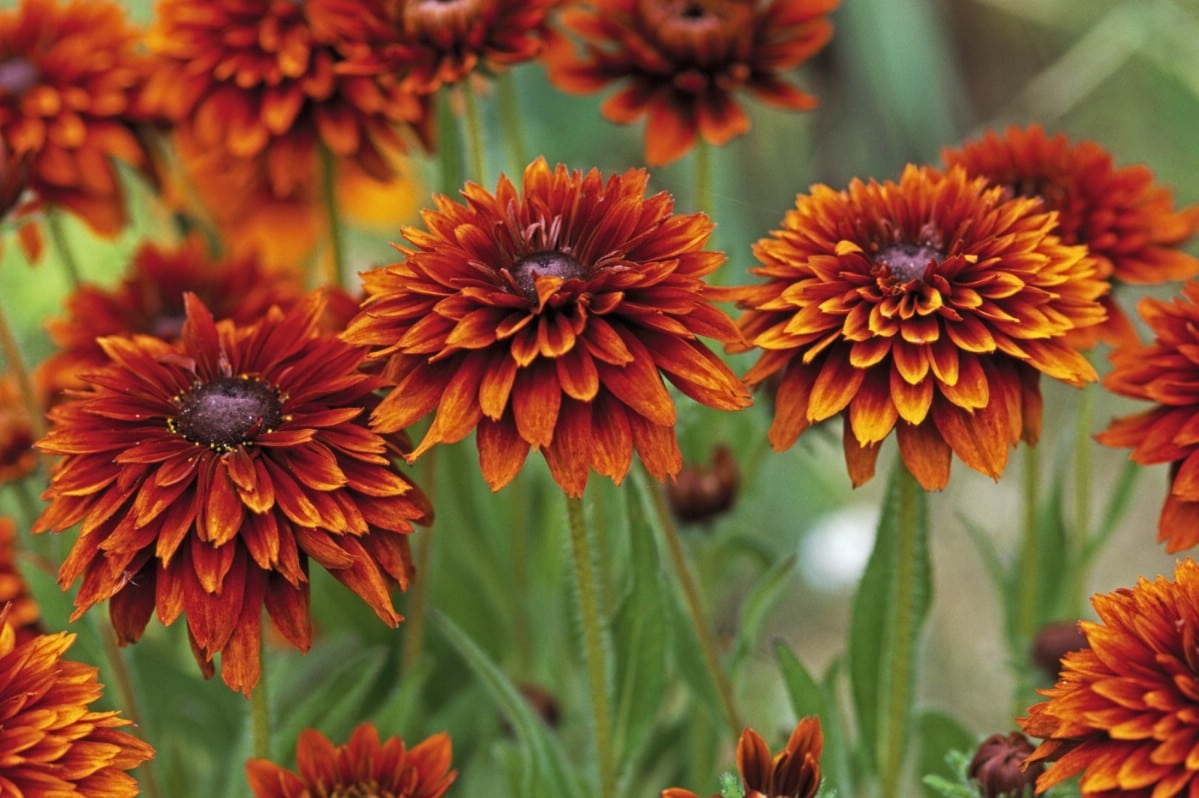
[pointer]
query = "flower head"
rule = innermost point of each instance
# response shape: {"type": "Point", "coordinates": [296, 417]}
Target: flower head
{"type": "Point", "coordinates": [701, 493]}
{"type": "Point", "coordinates": [1127, 222]}
{"type": "Point", "coordinates": [1124, 711]}
{"type": "Point", "coordinates": [681, 62]}
{"type": "Point", "coordinates": [361, 767]}
{"type": "Point", "coordinates": [928, 307]}
{"type": "Point", "coordinates": [793, 772]}
{"type": "Point", "coordinates": [265, 79]}
{"type": "Point", "coordinates": [546, 318]}
{"type": "Point", "coordinates": [70, 74]}
{"type": "Point", "coordinates": [23, 614]}
{"type": "Point", "coordinates": [52, 743]}
{"type": "Point", "coordinates": [1164, 372]}
{"type": "Point", "coordinates": [18, 458]}
{"type": "Point", "coordinates": [998, 766]}
{"type": "Point", "coordinates": [207, 473]}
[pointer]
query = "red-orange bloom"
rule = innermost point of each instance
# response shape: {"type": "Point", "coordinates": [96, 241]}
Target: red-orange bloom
{"type": "Point", "coordinates": [1164, 372]}
{"type": "Point", "coordinates": [69, 77]}
{"type": "Point", "coordinates": [929, 307]}
{"type": "Point", "coordinates": [50, 742]}
{"type": "Point", "coordinates": [682, 61]}
{"type": "Point", "coordinates": [544, 318]}
{"type": "Point", "coordinates": [264, 78]}
{"type": "Point", "coordinates": [23, 614]}
{"type": "Point", "coordinates": [207, 473]}
{"type": "Point", "coordinates": [361, 767]}
{"type": "Point", "coordinates": [793, 772]}
{"type": "Point", "coordinates": [1125, 712]}
{"type": "Point", "coordinates": [18, 459]}
{"type": "Point", "coordinates": [1126, 221]}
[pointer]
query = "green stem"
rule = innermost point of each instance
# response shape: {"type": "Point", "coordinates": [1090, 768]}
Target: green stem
{"type": "Point", "coordinates": [414, 619]}
{"type": "Point", "coordinates": [1030, 559]}
{"type": "Point", "coordinates": [62, 246]}
{"type": "Point", "coordinates": [474, 133]}
{"type": "Point", "coordinates": [593, 634]}
{"type": "Point", "coordinates": [907, 623]}
{"type": "Point", "coordinates": [510, 118]}
{"type": "Point", "coordinates": [129, 701]}
{"type": "Point", "coordinates": [703, 177]}
{"type": "Point", "coordinates": [1083, 475]}
{"type": "Point", "coordinates": [260, 716]}
{"type": "Point", "coordinates": [707, 642]}
{"type": "Point", "coordinates": [449, 147]}
{"type": "Point", "coordinates": [333, 215]}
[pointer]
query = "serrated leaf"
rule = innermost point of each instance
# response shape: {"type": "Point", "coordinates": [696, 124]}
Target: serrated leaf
{"type": "Point", "coordinates": [888, 613]}
{"type": "Point", "coordinates": [547, 772]}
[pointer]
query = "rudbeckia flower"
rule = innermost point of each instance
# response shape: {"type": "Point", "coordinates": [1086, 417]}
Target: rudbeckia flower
{"type": "Point", "coordinates": [545, 318]}
{"type": "Point", "coordinates": [1125, 711]}
{"type": "Point", "coordinates": [206, 475]}
{"type": "Point", "coordinates": [929, 308]}
{"type": "Point", "coordinates": [793, 772]}
{"type": "Point", "coordinates": [1127, 221]}
{"type": "Point", "coordinates": [52, 742]}
{"type": "Point", "coordinates": [681, 62]}
{"type": "Point", "coordinates": [364, 766]}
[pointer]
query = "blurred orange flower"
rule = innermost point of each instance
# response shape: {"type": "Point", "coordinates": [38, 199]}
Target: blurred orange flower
{"type": "Point", "coordinates": [1125, 711]}
{"type": "Point", "coordinates": [23, 614]}
{"type": "Point", "coordinates": [361, 767]}
{"type": "Point", "coordinates": [1127, 222]}
{"type": "Point", "coordinates": [53, 744]}
{"type": "Point", "coordinates": [682, 61]}
{"type": "Point", "coordinates": [793, 772]}
{"type": "Point", "coordinates": [70, 75]}
{"type": "Point", "coordinates": [929, 307]}
{"type": "Point", "coordinates": [18, 458]}
{"type": "Point", "coordinates": [545, 317]}
{"type": "Point", "coordinates": [1164, 372]}
{"type": "Point", "coordinates": [207, 473]}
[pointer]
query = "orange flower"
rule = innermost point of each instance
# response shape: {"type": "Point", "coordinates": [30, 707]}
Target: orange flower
{"type": "Point", "coordinates": [930, 307]}
{"type": "Point", "coordinates": [1164, 372]}
{"type": "Point", "coordinates": [793, 772]}
{"type": "Point", "coordinates": [435, 42]}
{"type": "Point", "coordinates": [149, 301]}
{"type": "Point", "coordinates": [207, 473]}
{"type": "Point", "coordinates": [1126, 221]}
{"type": "Point", "coordinates": [51, 743]}
{"type": "Point", "coordinates": [18, 459]}
{"type": "Point", "coordinates": [265, 78]}
{"type": "Point", "coordinates": [683, 60]}
{"type": "Point", "coordinates": [543, 318]}
{"type": "Point", "coordinates": [361, 767]}
{"type": "Point", "coordinates": [69, 78]}
{"type": "Point", "coordinates": [1124, 711]}
{"type": "Point", "coordinates": [22, 612]}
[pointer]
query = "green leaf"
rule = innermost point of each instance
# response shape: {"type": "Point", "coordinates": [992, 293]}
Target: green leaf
{"type": "Point", "coordinates": [755, 611]}
{"type": "Point", "coordinates": [888, 613]}
{"type": "Point", "coordinates": [809, 697]}
{"type": "Point", "coordinates": [940, 736]}
{"type": "Point", "coordinates": [548, 772]}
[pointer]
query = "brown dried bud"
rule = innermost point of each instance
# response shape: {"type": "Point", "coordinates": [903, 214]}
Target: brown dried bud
{"type": "Point", "coordinates": [1053, 642]}
{"type": "Point", "coordinates": [998, 766]}
{"type": "Point", "coordinates": [701, 493]}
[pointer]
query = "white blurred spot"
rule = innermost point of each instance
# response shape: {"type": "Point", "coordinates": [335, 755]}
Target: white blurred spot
{"type": "Point", "coordinates": [834, 552]}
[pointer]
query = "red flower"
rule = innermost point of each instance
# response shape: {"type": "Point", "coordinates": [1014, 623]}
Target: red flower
{"type": "Point", "coordinates": [361, 767]}
{"type": "Point", "coordinates": [682, 62]}
{"type": "Point", "coordinates": [542, 318]}
{"type": "Point", "coordinates": [1127, 222]}
{"type": "Point", "coordinates": [207, 474]}
{"type": "Point", "coordinates": [929, 307]}
{"type": "Point", "coordinates": [793, 772]}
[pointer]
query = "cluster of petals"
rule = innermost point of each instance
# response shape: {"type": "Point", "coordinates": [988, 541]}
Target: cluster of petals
{"type": "Point", "coordinates": [1125, 711]}
{"type": "Point", "coordinates": [928, 307]}
{"type": "Point", "coordinates": [1126, 220]}
{"type": "Point", "coordinates": [681, 62]}
{"type": "Point", "coordinates": [70, 81]}
{"type": "Point", "coordinates": [51, 741]}
{"type": "Point", "coordinates": [545, 318]}
{"type": "Point", "coordinates": [363, 766]}
{"type": "Point", "coordinates": [1165, 372]}
{"type": "Point", "coordinates": [794, 772]}
{"type": "Point", "coordinates": [18, 459]}
{"type": "Point", "coordinates": [23, 614]}
{"type": "Point", "coordinates": [206, 473]}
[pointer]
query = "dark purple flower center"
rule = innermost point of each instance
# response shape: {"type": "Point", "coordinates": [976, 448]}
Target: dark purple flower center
{"type": "Point", "coordinates": [908, 262]}
{"type": "Point", "coordinates": [17, 75]}
{"type": "Point", "coordinates": [227, 412]}
{"type": "Point", "coordinates": [552, 263]}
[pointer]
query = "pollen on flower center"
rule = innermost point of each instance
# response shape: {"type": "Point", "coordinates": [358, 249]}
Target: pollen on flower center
{"type": "Point", "coordinates": [227, 412]}
{"type": "Point", "coordinates": [17, 76]}
{"type": "Point", "coordinates": [908, 262]}
{"type": "Point", "coordinates": [553, 263]}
